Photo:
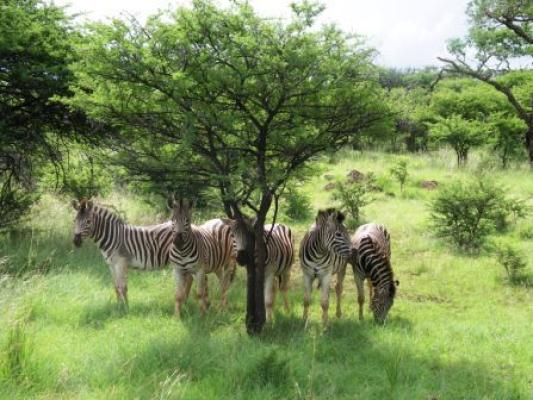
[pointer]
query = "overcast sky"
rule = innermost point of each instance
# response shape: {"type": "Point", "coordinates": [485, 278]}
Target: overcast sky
{"type": "Point", "coordinates": [407, 33]}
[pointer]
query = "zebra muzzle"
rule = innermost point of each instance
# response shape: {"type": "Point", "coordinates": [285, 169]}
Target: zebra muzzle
{"type": "Point", "coordinates": [77, 240]}
{"type": "Point", "coordinates": [242, 257]}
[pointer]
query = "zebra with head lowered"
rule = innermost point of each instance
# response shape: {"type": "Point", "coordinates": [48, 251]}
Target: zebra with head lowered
{"type": "Point", "coordinates": [371, 260]}
{"type": "Point", "coordinates": [198, 251]}
{"type": "Point", "coordinates": [122, 245]}
{"type": "Point", "coordinates": [324, 251]}
{"type": "Point", "coordinates": [279, 258]}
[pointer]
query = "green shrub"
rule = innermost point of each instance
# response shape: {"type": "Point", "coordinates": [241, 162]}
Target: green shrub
{"type": "Point", "coordinates": [399, 171]}
{"type": "Point", "coordinates": [297, 205]}
{"type": "Point", "coordinates": [513, 261]}
{"type": "Point", "coordinates": [352, 198]}
{"type": "Point", "coordinates": [467, 212]}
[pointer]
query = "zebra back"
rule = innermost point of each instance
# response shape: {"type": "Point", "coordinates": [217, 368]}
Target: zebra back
{"type": "Point", "coordinates": [146, 247]}
{"type": "Point", "coordinates": [371, 243]}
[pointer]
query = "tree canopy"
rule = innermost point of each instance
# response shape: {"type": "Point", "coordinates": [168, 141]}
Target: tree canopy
{"type": "Point", "coordinates": [499, 39]}
{"type": "Point", "coordinates": [233, 101]}
{"type": "Point", "coordinates": [35, 52]}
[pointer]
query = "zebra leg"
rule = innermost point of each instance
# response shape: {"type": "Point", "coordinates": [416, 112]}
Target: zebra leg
{"type": "Point", "coordinates": [284, 288]}
{"type": "Point", "coordinates": [324, 298]}
{"type": "Point", "coordinates": [308, 286]}
{"type": "Point", "coordinates": [182, 281]}
{"type": "Point", "coordinates": [370, 291]}
{"type": "Point", "coordinates": [201, 281]}
{"type": "Point", "coordinates": [359, 282]}
{"type": "Point", "coordinates": [225, 277]}
{"type": "Point", "coordinates": [338, 289]}
{"type": "Point", "coordinates": [188, 284]}
{"type": "Point", "coordinates": [269, 296]}
{"type": "Point", "coordinates": [119, 271]}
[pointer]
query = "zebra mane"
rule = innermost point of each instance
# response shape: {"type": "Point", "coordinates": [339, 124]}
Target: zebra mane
{"type": "Point", "coordinates": [104, 212]}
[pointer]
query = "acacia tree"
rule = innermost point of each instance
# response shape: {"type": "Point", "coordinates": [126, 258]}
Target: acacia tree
{"type": "Point", "coordinates": [501, 33]}
{"type": "Point", "coordinates": [243, 102]}
{"type": "Point", "coordinates": [34, 55]}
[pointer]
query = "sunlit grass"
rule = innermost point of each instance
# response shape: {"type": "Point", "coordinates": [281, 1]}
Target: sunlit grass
{"type": "Point", "coordinates": [456, 331]}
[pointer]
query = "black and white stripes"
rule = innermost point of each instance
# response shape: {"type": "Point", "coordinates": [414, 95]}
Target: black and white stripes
{"type": "Point", "coordinates": [198, 251]}
{"type": "Point", "coordinates": [122, 245]}
{"type": "Point", "coordinates": [324, 251]}
{"type": "Point", "coordinates": [371, 260]}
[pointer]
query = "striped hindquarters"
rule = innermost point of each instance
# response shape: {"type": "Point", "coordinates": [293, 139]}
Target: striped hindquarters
{"type": "Point", "coordinates": [280, 248]}
{"type": "Point", "coordinates": [372, 243]}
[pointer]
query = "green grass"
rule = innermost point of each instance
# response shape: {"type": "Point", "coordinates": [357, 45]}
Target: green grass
{"type": "Point", "coordinates": [457, 330]}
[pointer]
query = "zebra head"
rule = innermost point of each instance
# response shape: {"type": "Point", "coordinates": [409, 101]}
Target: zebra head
{"type": "Point", "coordinates": [240, 230]}
{"type": "Point", "coordinates": [383, 300]}
{"type": "Point", "coordinates": [181, 218]}
{"type": "Point", "coordinates": [83, 224]}
{"type": "Point", "coordinates": [334, 234]}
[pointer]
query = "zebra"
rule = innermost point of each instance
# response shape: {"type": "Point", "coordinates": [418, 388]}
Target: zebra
{"type": "Point", "coordinates": [279, 258]}
{"type": "Point", "coordinates": [121, 244]}
{"type": "Point", "coordinates": [371, 260]}
{"type": "Point", "coordinates": [197, 251]}
{"type": "Point", "coordinates": [324, 251]}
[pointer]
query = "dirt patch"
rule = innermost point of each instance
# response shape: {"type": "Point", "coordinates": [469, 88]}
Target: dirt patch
{"type": "Point", "coordinates": [429, 185]}
{"type": "Point", "coordinates": [330, 186]}
{"type": "Point", "coordinates": [355, 176]}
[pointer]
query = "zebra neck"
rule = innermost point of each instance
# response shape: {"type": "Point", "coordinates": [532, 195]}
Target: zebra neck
{"type": "Point", "coordinates": [320, 246]}
{"type": "Point", "coordinates": [107, 228]}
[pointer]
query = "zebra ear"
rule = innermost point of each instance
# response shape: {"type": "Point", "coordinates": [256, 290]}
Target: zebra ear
{"type": "Point", "coordinates": [75, 204]}
{"type": "Point", "coordinates": [340, 217]}
{"type": "Point", "coordinates": [89, 204]}
{"type": "Point", "coordinates": [321, 216]}
{"type": "Point", "coordinates": [170, 204]}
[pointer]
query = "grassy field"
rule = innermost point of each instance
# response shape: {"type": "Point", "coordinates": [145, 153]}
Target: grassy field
{"type": "Point", "coordinates": [457, 330]}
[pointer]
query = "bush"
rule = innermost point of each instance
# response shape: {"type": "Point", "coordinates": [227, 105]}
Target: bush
{"type": "Point", "coordinates": [351, 198]}
{"type": "Point", "coordinates": [298, 205]}
{"type": "Point", "coordinates": [513, 260]}
{"type": "Point", "coordinates": [467, 212]}
{"type": "Point", "coordinates": [399, 171]}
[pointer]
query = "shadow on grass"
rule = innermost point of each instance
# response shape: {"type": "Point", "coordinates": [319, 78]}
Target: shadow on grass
{"type": "Point", "coordinates": [349, 360]}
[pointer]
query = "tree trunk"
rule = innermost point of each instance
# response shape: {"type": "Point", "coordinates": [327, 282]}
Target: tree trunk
{"type": "Point", "coordinates": [529, 144]}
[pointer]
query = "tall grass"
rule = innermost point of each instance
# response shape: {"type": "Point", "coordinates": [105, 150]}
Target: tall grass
{"type": "Point", "coordinates": [456, 330]}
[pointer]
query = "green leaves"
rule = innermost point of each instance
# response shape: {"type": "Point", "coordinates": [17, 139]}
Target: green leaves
{"type": "Point", "coordinates": [252, 99]}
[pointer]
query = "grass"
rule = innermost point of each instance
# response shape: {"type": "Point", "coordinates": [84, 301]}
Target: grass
{"type": "Point", "coordinates": [456, 331]}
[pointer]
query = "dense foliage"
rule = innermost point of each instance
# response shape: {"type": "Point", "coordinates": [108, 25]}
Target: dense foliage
{"type": "Point", "coordinates": [34, 54]}
{"type": "Point", "coordinates": [466, 212]}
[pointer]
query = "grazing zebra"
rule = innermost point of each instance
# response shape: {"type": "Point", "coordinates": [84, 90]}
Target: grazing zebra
{"type": "Point", "coordinates": [279, 258]}
{"type": "Point", "coordinates": [122, 245]}
{"type": "Point", "coordinates": [199, 250]}
{"type": "Point", "coordinates": [324, 251]}
{"type": "Point", "coordinates": [371, 260]}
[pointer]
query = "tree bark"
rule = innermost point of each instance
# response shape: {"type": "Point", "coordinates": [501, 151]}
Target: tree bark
{"type": "Point", "coordinates": [529, 144]}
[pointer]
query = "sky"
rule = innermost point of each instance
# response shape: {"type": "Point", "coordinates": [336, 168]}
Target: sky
{"type": "Point", "coordinates": [406, 33]}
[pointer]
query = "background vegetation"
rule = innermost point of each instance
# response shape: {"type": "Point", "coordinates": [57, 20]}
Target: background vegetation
{"type": "Point", "coordinates": [187, 102]}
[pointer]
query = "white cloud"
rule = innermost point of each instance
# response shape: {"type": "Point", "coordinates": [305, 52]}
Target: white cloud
{"type": "Point", "coordinates": [405, 32]}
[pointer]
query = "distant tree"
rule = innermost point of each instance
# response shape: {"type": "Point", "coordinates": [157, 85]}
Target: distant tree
{"type": "Point", "coordinates": [507, 136]}
{"type": "Point", "coordinates": [244, 103]}
{"type": "Point", "coordinates": [460, 134]}
{"type": "Point", "coordinates": [500, 36]}
{"type": "Point", "coordinates": [464, 111]}
{"type": "Point", "coordinates": [34, 57]}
